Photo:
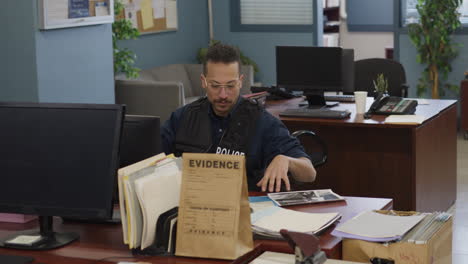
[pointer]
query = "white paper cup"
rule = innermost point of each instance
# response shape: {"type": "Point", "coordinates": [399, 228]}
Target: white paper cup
{"type": "Point", "coordinates": [360, 99]}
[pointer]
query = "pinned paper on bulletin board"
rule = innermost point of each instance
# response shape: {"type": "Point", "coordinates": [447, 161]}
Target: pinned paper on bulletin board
{"type": "Point", "coordinates": [73, 13]}
{"type": "Point", "coordinates": [151, 16]}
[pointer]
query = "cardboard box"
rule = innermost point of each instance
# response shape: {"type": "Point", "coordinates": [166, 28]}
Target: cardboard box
{"type": "Point", "coordinates": [438, 250]}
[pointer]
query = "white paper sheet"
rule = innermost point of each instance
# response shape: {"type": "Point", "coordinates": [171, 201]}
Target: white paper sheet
{"type": "Point", "coordinates": [270, 257]}
{"type": "Point", "coordinates": [137, 4]}
{"type": "Point", "coordinates": [293, 220]}
{"type": "Point", "coordinates": [171, 14]}
{"type": "Point", "coordinates": [376, 225]}
{"type": "Point", "coordinates": [257, 206]}
{"type": "Point", "coordinates": [122, 173]}
{"type": "Point", "coordinates": [131, 14]}
{"type": "Point", "coordinates": [157, 193]}
{"type": "Point", "coordinates": [159, 7]}
{"type": "Point", "coordinates": [58, 9]}
{"type": "Point", "coordinates": [423, 101]}
{"type": "Point", "coordinates": [404, 119]}
{"type": "Point", "coordinates": [101, 9]}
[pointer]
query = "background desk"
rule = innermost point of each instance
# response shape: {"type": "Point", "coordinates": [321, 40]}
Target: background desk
{"type": "Point", "coordinates": [99, 242]}
{"type": "Point", "coordinates": [413, 164]}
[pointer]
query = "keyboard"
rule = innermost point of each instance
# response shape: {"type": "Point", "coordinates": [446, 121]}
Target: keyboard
{"type": "Point", "coordinates": [316, 113]}
{"type": "Point", "coordinates": [340, 98]}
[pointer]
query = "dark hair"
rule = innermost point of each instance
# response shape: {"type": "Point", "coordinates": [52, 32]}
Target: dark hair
{"type": "Point", "coordinates": [221, 53]}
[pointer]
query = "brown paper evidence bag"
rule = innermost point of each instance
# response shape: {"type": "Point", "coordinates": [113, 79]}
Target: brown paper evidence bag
{"type": "Point", "coordinates": [214, 212]}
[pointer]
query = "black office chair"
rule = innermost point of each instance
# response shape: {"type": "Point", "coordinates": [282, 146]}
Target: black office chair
{"type": "Point", "coordinates": [317, 150]}
{"type": "Point", "coordinates": [314, 146]}
{"type": "Point", "coordinates": [366, 71]}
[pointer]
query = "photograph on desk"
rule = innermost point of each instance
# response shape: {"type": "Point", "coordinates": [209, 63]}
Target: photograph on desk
{"type": "Point", "coordinates": [304, 197]}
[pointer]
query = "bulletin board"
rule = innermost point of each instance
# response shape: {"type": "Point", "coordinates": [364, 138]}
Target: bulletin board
{"type": "Point", "coordinates": [73, 13]}
{"type": "Point", "coordinates": [152, 16]}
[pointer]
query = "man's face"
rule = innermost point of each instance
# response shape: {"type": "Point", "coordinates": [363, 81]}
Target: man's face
{"type": "Point", "coordinates": [222, 84]}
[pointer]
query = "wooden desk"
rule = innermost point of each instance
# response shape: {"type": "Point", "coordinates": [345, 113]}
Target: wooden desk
{"type": "Point", "coordinates": [348, 209]}
{"type": "Point", "coordinates": [413, 164]}
{"type": "Point", "coordinates": [101, 243]}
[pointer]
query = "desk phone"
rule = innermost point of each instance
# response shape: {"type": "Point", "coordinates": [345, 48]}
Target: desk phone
{"type": "Point", "coordinates": [391, 105]}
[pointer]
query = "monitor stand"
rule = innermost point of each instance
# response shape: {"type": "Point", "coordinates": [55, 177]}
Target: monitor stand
{"type": "Point", "coordinates": [316, 99]}
{"type": "Point", "coordinates": [43, 239]}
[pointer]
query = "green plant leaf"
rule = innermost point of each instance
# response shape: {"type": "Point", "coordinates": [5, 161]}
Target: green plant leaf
{"type": "Point", "coordinates": [122, 29]}
{"type": "Point", "coordinates": [432, 38]}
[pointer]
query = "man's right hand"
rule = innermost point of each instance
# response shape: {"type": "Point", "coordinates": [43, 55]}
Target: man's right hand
{"type": "Point", "coordinates": [276, 172]}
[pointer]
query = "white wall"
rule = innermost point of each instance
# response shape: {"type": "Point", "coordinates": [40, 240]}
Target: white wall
{"type": "Point", "coordinates": [365, 44]}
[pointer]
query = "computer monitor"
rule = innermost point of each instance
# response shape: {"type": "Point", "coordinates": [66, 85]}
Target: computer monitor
{"type": "Point", "coordinates": [347, 71]}
{"type": "Point", "coordinates": [57, 160]}
{"type": "Point", "coordinates": [309, 69]}
{"type": "Point", "coordinates": [141, 139]}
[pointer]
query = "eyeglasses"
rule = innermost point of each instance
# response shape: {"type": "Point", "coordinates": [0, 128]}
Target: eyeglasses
{"type": "Point", "coordinates": [229, 87]}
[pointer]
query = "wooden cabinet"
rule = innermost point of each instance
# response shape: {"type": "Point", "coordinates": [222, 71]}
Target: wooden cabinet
{"type": "Point", "coordinates": [464, 107]}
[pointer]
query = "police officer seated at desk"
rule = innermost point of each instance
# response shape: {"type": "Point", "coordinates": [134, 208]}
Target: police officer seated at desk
{"type": "Point", "coordinates": [225, 123]}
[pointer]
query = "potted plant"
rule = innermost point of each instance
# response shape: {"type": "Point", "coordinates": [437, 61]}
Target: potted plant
{"type": "Point", "coordinates": [432, 37]}
{"type": "Point", "coordinates": [122, 29]}
{"type": "Point", "coordinates": [380, 85]}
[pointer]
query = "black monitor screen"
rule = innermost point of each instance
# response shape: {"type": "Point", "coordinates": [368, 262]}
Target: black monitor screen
{"type": "Point", "coordinates": [59, 159]}
{"type": "Point", "coordinates": [303, 68]}
{"type": "Point", "coordinates": [140, 139]}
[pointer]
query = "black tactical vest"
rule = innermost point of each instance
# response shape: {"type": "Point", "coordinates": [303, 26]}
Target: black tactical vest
{"type": "Point", "coordinates": [195, 132]}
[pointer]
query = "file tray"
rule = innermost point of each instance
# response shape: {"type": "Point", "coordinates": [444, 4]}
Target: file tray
{"type": "Point", "coordinates": [437, 249]}
{"type": "Point", "coordinates": [165, 237]}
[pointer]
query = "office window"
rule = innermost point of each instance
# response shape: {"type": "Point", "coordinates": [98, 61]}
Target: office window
{"type": "Point", "coordinates": [464, 12]}
{"type": "Point", "coordinates": [280, 12]}
{"type": "Point", "coordinates": [272, 15]}
{"type": "Point", "coordinates": [412, 15]}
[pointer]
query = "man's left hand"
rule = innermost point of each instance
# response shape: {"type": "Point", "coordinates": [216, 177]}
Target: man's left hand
{"type": "Point", "coordinates": [276, 172]}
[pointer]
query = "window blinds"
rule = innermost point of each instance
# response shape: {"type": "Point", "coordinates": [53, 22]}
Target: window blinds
{"type": "Point", "coordinates": [276, 12]}
{"type": "Point", "coordinates": [464, 12]}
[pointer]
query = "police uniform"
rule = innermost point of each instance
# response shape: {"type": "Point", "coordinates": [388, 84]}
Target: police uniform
{"type": "Point", "coordinates": [247, 130]}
